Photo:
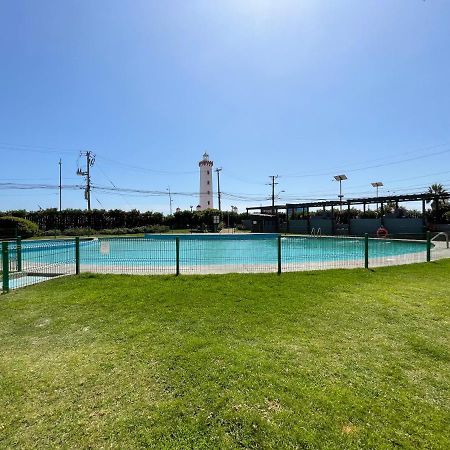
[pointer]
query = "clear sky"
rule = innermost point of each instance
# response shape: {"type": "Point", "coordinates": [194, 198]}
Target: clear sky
{"type": "Point", "coordinates": [303, 89]}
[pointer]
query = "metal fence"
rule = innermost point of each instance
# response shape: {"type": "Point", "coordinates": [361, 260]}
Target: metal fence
{"type": "Point", "coordinates": [29, 262]}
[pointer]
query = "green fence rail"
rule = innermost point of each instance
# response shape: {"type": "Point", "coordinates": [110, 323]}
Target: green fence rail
{"type": "Point", "coordinates": [5, 267]}
{"type": "Point", "coordinates": [29, 262]}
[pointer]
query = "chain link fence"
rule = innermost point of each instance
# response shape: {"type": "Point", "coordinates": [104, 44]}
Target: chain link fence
{"type": "Point", "coordinates": [29, 262]}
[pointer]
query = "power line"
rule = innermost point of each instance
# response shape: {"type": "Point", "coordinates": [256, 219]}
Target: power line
{"type": "Point", "coordinates": [391, 163]}
{"type": "Point", "coordinates": [36, 149]}
{"type": "Point", "coordinates": [28, 186]}
{"type": "Point", "coordinates": [357, 169]}
{"type": "Point", "coordinates": [112, 184]}
{"type": "Point", "coordinates": [243, 180]}
{"type": "Point", "coordinates": [145, 169]}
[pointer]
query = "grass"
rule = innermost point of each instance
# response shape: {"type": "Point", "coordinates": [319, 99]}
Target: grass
{"type": "Point", "coordinates": [335, 359]}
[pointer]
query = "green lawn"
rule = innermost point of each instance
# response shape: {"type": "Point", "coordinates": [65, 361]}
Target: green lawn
{"type": "Point", "coordinates": [337, 359]}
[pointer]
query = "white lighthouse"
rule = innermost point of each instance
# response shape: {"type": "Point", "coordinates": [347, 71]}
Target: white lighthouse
{"type": "Point", "coordinates": [206, 188]}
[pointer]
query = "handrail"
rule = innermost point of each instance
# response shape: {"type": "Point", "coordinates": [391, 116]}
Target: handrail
{"type": "Point", "coordinates": [441, 233]}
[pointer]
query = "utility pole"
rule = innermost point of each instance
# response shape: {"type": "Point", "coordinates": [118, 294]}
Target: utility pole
{"type": "Point", "coordinates": [90, 160]}
{"type": "Point", "coordinates": [60, 194]}
{"type": "Point", "coordinates": [218, 187]}
{"type": "Point", "coordinates": [170, 199]}
{"type": "Point", "coordinates": [88, 181]}
{"type": "Point", "coordinates": [273, 183]}
{"type": "Point", "coordinates": [60, 185]}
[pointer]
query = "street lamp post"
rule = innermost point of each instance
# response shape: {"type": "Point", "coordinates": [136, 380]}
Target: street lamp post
{"type": "Point", "coordinates": [377, 185]}
{"type": "Point", "coordinates": [340, 178]}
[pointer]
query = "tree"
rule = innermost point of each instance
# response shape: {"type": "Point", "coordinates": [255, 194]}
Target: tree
{"type": "Point", "coordinates": [437, 189]}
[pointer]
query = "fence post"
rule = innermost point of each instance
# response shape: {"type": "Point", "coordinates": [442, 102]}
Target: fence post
{"type": "Point", "coordinates": [19, 253]}
{"type": "Point", "coordinates": [5, 268]}
{"type": "Point", "coordinates": [428, 246]}
{"type": "Point", "coordinates": [177, 247]}
{"type": "Point", "coordinates": [366, 250]}
{"type": "Point", "coordinates": [77, 255]}
{"type": "Point", "coordinates": [279, 254]}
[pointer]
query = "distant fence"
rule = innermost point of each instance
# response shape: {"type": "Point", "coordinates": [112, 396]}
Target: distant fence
{"type": "Point", "coordinates": [354, 227]}
{"type": "Point", "coordinates": [29, 262]}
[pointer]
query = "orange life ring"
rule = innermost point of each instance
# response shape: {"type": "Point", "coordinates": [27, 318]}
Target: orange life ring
{"type": "Point", "coordinates": [382, 232]}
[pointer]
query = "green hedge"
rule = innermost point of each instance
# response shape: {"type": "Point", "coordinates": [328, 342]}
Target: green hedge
{"type": "Point", "coordinates": [108, 231]}
{"type": "Point", "coordinates": [11, 226]}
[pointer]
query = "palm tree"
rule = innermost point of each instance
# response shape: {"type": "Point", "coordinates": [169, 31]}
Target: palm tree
{"type": "Point", "coordinates": [437, 189]}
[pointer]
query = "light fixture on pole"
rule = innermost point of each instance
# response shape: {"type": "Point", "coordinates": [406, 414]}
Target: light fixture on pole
{"type": "Point", "coordinates": [377, 185]}
{"type": "Point", "coordinates": [340, 178]}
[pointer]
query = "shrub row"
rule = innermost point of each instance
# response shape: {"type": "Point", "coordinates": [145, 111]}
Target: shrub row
{"type": "Point", "coordinates": [15, 226]}
{"type": "Point", "coordinates": [111, 231]}
{"type": "Point", "coordinates": [51, 219]}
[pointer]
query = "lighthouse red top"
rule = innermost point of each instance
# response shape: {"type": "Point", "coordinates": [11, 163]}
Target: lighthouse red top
{"type": "Point", "coordinates": [205, 161]}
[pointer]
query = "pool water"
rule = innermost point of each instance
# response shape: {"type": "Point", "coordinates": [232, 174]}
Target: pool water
{"type": "Point", "coordinates": [252, 249]}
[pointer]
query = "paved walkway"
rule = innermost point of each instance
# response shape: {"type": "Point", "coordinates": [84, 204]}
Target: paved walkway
{"type": "Point", "coordinates": [440, 250]}
{"type": "Point", "coordinates": [227, 230]}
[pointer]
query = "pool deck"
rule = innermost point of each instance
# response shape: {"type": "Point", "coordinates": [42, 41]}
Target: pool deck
{"type": "Point", "coordinates": [440, 251]}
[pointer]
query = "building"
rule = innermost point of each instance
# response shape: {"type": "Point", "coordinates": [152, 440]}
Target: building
{"type": "Point", "coordinates": [206, 187]}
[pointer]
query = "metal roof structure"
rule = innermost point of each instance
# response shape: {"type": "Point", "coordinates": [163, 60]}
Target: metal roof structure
{"type": "Point", "coordinates": [423, 197]}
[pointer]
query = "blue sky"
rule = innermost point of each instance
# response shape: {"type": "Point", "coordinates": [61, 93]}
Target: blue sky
{"type": "Point", "coordinates": [302, 89]}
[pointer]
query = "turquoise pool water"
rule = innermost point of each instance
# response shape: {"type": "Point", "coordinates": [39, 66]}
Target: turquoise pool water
{"type": "Point", "coordinates": [235, 249]}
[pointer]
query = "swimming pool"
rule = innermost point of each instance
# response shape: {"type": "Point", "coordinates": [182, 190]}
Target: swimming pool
{"type": "Point", "coordinates": [211, 253]}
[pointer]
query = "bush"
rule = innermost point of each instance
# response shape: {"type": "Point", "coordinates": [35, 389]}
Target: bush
{"type": "Point", "coordinates": [115, 231]}
{"type": "Point", "coordinates": [107, 231]}
{"type": "Point", "coordinates": [446, 216]}
{"type": "Point", "coordinates": [155, 229]}
{"type": "Point", "coordinates": [50, 233]}
{"type": "Point", "coordinates": [11, 226]}
{"type": "Point", "coordinates": [79, 232]}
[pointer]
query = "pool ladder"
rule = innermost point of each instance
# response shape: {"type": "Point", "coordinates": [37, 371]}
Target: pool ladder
{"type": "Point", "coordinates": [441, 233]}
{"type": "Point", "coordinates": [316, 233]}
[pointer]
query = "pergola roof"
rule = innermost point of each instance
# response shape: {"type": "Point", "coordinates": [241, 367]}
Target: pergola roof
{"type": "Point", "coordinates": [356, 201]}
